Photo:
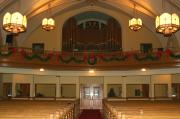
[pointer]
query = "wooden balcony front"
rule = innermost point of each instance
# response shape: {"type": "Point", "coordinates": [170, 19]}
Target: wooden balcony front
{"type": "Point", "coordinates": [27, 58]}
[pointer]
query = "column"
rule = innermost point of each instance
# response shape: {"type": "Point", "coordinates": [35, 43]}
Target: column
{"type": "Point", "coordinates": [13, 89]}
{"type": "Point", "coordinates": [105, 90]}
{"type": "Point", "coordinates": [77, 88]}
{"type": "Point", "coordinates": [151, 89]}
{"type": "Point", "coordinates": [169, 90]}
{"type": "Point", "coordinates": [58, 90]}
{"type": "Point", "coordinates": [32, 90]}
{"type": "Point", "coordinates": [124, 88]}
{"type": "Point", "coordinates": [1, 86]}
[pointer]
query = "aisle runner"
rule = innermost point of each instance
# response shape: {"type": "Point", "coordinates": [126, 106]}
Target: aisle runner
{"type": "Point", "coordinates": [90, 114]}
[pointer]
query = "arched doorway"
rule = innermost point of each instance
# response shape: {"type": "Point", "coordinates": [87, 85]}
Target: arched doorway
{"type": "Point", "coordinates": [91, 31]}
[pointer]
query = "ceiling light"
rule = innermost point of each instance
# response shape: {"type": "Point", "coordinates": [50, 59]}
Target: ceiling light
{"type": "Point", "coordinates": [143, 69]}
{"type": "Point", "coordinates": [91, 71]}
{"type": "Point", "coordinates": [41, 69]}
{"type": "Point", "coordinates": [135, 23]}
{"type": "Point", "coordinates": [166, 23]}
{"type": "Point", "coordinates": [48, 23]}
{"type": "Point", "coordinates": [14, 23]}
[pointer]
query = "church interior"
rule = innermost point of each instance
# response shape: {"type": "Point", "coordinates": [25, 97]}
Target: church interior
{"type": "Point", "coordinates": [89, 59]}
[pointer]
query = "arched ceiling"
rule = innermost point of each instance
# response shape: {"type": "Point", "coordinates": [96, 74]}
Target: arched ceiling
{"type": "Point", "coordinates": [35, 10]}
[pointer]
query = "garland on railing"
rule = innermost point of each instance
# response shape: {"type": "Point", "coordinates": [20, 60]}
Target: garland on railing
{"type": "Point", "coordinates": [41, 57]}
{"type": "Point", "coordinates": [90, 58]}
{"type": "Point", "coordinates": [6, 53]}
{"type": "Point", "coordinates": [176, 56]}
{"type": "Point", "coordinates": [122, 57]}
{"type": "Point", "coordinates": [70, 59]}
{"type": "Point", "coordinates": [145, 57]}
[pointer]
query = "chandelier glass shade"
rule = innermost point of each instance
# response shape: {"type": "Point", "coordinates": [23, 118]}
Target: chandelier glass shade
{"type": "Point", "coordinates": [48, 24]}
{"type": "Point", "coordinates": [167, 24]}
{"type": "Point", "coordinates": [135, 24]}
{"type": "Point", "coordinates": [14, 23]}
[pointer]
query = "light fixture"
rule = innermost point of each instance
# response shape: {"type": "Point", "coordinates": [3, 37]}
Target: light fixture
{"type": "Point", "coordinates": [41, 69]}
{"type": "Point", "coordinates": [143, 69]}
{"type": "Point", "coordinates": [166, 23]}
{"type": "Point", "coordinates": [135, 23]}
{"type": "Point", "coordinates": [48, 23]}
{"type": "Point", "coordinates": [14, 23]}
{"type": "Point", "coordinates": [91, 71]}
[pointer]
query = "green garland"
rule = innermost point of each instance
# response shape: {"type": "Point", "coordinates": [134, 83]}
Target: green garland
{"type": "Point", "coordinates": [146, 57]}
{"type": "Point", "coordinates": [36, 56]}
{"type": "Point", "coordinates": [9, 52]}
{"type": "Point", "coordinates": [114, 58]}
{"type": "Point", "coordinates": [72, 58]}
{"type": "Point", "coordinates": [92, 60]}
{"type": "Point", "coordinates": [175, 56]}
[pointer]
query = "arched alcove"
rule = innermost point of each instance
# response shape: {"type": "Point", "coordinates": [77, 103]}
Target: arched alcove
{"type": "Point", "coordinates": [91, 31]}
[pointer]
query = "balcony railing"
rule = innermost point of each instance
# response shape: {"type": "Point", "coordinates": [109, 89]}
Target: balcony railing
{"type": "Point", "coordinates": [29, 58]}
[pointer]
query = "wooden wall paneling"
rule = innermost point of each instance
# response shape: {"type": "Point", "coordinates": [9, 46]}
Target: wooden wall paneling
{"type": "Point", "coordinates": [1, 85]}
{"type": "Point", "coordinates": [145, 90]}
{"type": "Point", "coordinates": [7, 90]}
{"type": "Point", "coordinates": [178, 91]}
{"type": "Point", "coordinates": [25, 90]}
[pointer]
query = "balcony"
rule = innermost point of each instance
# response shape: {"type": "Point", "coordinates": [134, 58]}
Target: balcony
{"type": "Point", "coordinates": [27, 58]}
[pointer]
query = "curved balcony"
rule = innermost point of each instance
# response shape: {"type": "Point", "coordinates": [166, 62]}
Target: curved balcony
{"type": "Point", "coordinates": [28, 58]}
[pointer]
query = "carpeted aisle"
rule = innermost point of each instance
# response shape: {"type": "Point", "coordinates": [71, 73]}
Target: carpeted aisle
{"type": "Point", "coordinates": [91, 114]}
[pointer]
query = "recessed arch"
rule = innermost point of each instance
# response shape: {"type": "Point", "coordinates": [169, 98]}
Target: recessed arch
{"type": "Point", "coordinates": [73, 12]}
{"type": "Point", "coordinates": [91, 31]}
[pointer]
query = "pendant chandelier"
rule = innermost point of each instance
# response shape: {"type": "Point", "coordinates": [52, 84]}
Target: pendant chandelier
{"type": "Point", "coordinates": [167, 24]}
{"type": "Point", "coordinates": [48, 23]}
{"type": "Point", "coordinates": [135, 23]}
{"type": "Point", "coordinates": [14, 23]}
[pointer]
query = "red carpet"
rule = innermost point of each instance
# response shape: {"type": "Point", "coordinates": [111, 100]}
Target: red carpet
{"type": "Point", "coordinates": [91, 114]}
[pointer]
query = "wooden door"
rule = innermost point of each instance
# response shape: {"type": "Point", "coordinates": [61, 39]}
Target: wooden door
{"type": "Point", "coordinates": [7, 90]}
{"type": "Point", "coordinates": [91, 96]}
{"type": "Point", "coordinates": [176, 91]}
{"type": "Point", "coordinates": [145, 90]}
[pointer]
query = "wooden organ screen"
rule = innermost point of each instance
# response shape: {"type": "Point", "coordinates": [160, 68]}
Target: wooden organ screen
{"type": "Point", "coordinates": [91, 36]}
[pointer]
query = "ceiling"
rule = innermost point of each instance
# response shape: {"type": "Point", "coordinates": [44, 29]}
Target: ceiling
{"type": "Point", "coordinates": [34, 9]}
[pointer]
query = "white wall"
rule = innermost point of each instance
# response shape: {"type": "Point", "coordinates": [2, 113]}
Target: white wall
{"type": "Point", "coordinates": [19, 78]}
{"type": "Point", "coordinates": [45, 79]}
{"type": "Point", "coordinates": [176, 78]}
{"type": "Point", "coordinates": [161, 90]}
{"type": "Point", "coordinates": [142, 36]}
{"type": "Point", "coordinates": [112, 80]}
{"type": "Point", "coordinates": [162, 79]}
{"type": "Point", "coordinates": [91, 79]}
{"type": "Point", "coordinates": [47, 90]}
{"type": "Point", "coordinates": [167, 79]}
{"type": "Point", "coordinates": [69, 79]}
{"type": "Point", "coordinates": [117, 89]}
{"type": "Point", "coordinates": [7, 78]}
{"type": "Point", "coordinates": [131, 90]}
{"type": "Point", "coordinates": [68, 90]}
{"type": "Point", "coordinates": [137, 79]}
